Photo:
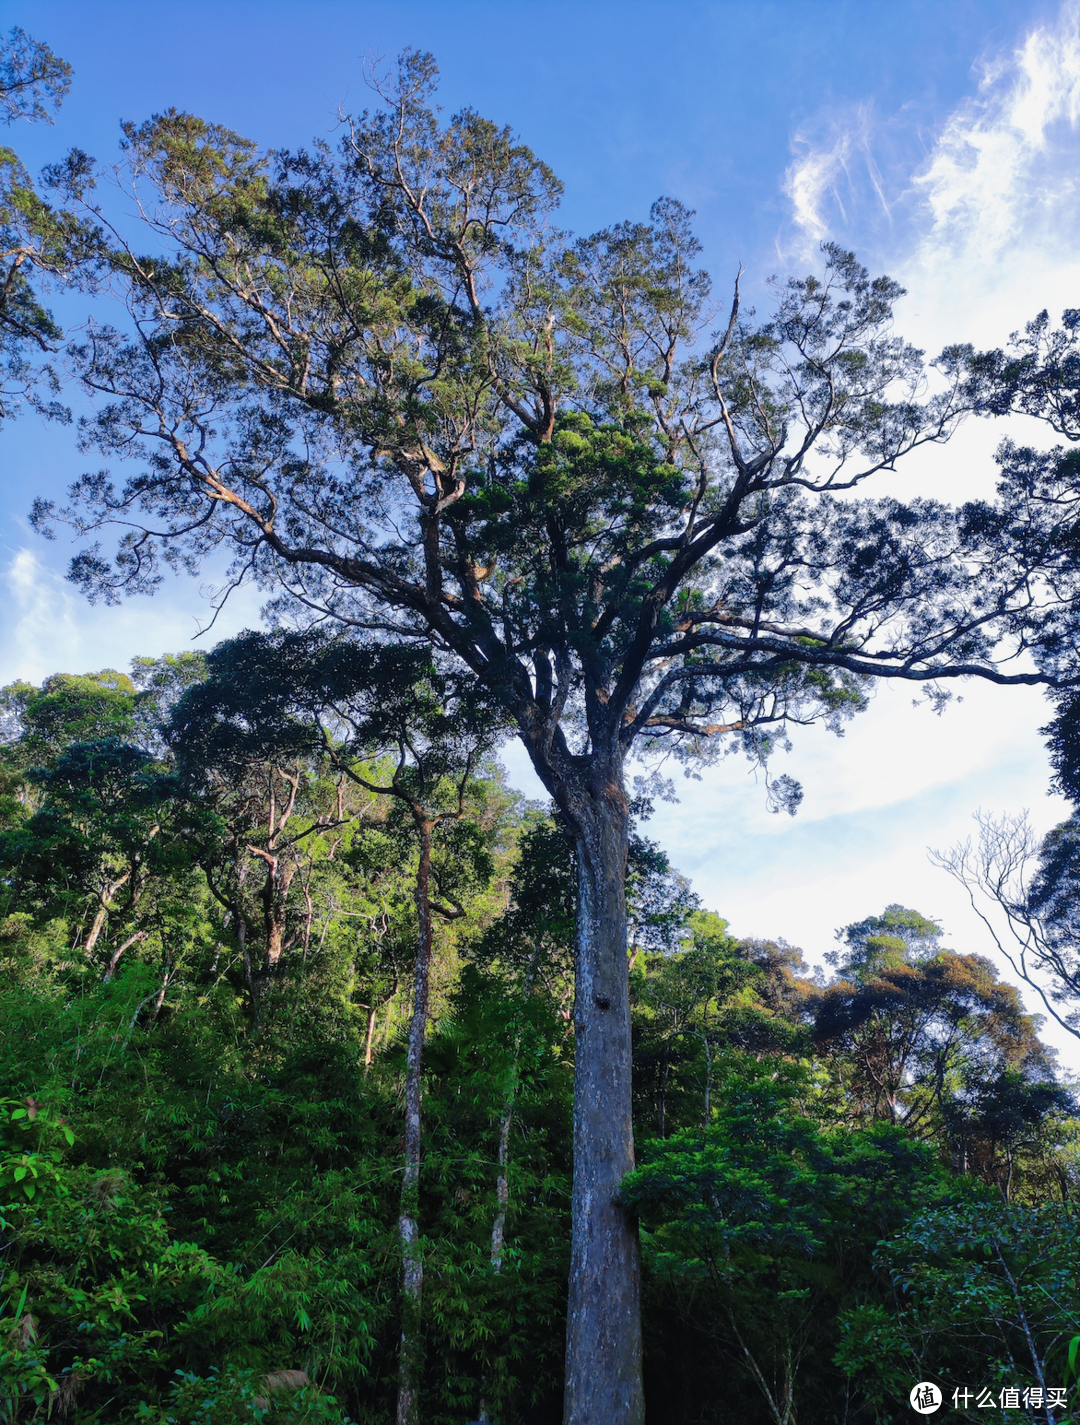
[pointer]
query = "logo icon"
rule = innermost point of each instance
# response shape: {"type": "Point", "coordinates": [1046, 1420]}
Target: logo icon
{"type": "Point", "coordinates": [925, 1398]}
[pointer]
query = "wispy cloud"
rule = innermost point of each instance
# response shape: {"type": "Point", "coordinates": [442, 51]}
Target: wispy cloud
{"type": "Point", "coordinates": [42, 624]}
{"type": "Point", "coordinates": [983, 223]}
{"type": "Point", "coordinates": [1003, 171]}
{"type": "Point", "coordinates": [833, 160]}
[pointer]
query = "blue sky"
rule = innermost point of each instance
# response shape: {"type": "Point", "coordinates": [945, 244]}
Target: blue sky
{"type": "Point", "coordinates": [940, 140]}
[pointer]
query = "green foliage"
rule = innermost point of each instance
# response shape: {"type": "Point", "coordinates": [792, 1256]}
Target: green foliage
{"type": "Point", "coordinates": [930, 1035]}
{"type": "Point", "coordinates": [29, 1161]}
{"type": "Point", "coordinates": [758, 1229]}
{"type": "Point", "coordinates": [32, 78]}
{"type": "Point", "coordinates": [498, 1334]}
{"type": "Point", "coordinates": [199, 1204]}
{"type": "Point", "coordinates": [103, 1302]}
{"type": "Point", "coordinates": [517, 462]}
{"type": "Point", "coordinates": [985, 1291]}
{"type": "Point", "coordinates": [221, 1397]}
{"type": "Point", "coordinates": [704, 994]}
{"type": "Point", "coordinates": [70, 708]}
{"type": "Point", "coordinates": [254, 1165]}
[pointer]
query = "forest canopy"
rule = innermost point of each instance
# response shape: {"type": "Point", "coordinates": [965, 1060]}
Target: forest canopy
{"type": "Point", "coordinates": [208, 936]}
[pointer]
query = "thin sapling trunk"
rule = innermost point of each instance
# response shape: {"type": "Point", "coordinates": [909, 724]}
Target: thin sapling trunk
{"type": "Point", "coordinates": [411, 1352]}
{"type": "Point", "coordinates": [506, 1121]}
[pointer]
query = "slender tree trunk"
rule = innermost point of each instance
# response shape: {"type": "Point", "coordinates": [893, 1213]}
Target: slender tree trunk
{"type": "Point", "coordinates": [781, 1409]}
{"type": "Point", "coordinates": [159, 998]}
{"type": "Point", "coordinates": [245, 957]}
{"type": "Point", "coordinates": [388, 1019]}
{"type": "Point", "coordinates": [114, 958]}
{"type": "Point", "coordinates": [506, 1121]}
{"type": "Point", "coordinates": [98, 923]}
{"type": "Point", "coordinates": [502, 1181]}
{"type": "Point", "coordinates": [96, 927]}
{"type": "Point", "coordinates": [1037, 1361]}
{"type": "Point", "coordinates": [708, 1078]}
{"type": "Point", "coordinates": [369, 1045]}
{"type": "Point", "coordinates": [603, 1329]}
{"type": "Point", "coordinates": [279, 879]}
{"type": "Point", "coordinates": [411, 1356]}
{"type": "Point", "coordinates": [240, 921]}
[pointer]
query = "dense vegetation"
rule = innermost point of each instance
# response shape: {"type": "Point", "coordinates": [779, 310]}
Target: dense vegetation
{"type": "Point", "coordinates": [207, 936]}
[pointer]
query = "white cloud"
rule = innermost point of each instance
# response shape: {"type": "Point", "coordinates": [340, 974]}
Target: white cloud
{"type": "Point", "coordinates": [49, 628]}
{"type": "Point", "coordinates": [984, 232]}
{"type": "Point", "coordinates": [900, 781]}
{"type": "Point", "coordinates": [1003, 169]}
{"type": "Point", "coordinates": [982, 228]}
{"type": "Point", "coordinates": [823, 172]}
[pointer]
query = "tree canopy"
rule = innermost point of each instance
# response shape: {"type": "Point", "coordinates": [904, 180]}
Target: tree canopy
{"type": "Point", "coordinates": [206, 1058]}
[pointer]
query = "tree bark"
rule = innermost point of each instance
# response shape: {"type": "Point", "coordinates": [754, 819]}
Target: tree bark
{"type": "Point", "coordinates": [114, 958]}
{"type": "Point", "coordinates": [708, 1077]}
{"type": "Point", "coordinates": [603, 1330]}
{"type": "Point", "coordinates": [96, 927]}
{"type": "Point", "coordinates": [101, 916]}
{"type": "Point", "coordinates": [411, 1351]}
{"type": "Point", "coordinates": [502, 1182]}
{"type": "Point", "coordinates": [369, 1044]}
{"type": "Point", "coordinates": [661, 1096]}
{"type": "Point", "coordinates": [502, 1185]}
{"type": "Point", "coordinates": [159, 998]}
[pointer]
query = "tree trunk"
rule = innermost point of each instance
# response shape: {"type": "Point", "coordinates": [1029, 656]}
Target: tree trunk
{"type": "Point", "coordinates": [369, 1044]}
{"type": "Point", "coordinates": [96, 927]}
{"type": "Point", "coordinates": [245, 956]}
{"type": "Point", "coordinates": [411, 1356]}
{"type": "Point", "coordinates": [388, 1020]}
{"type": "Point", "coordinates": [502, 1182]}
{"type": "Point", "coordinates": [114, 958]}
{"type": "Point", "coordinates": [279, 878]}
{"type": "Point", "coordinates": [506, 1121]}
{"type": "Point", "coordinates": [603, 1329]}
{"type": "Point", "coordinates": [159, 998]}
{"type": "Point", "coordinates": [103, 909]}
{"type": "Point", "coordinates": [708, 1077]}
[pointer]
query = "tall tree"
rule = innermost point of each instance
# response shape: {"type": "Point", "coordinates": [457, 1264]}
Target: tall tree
{"type": "Point", "coordinates": [682, 1005]}
{"type": "Point", "coordinates": [261, 797]}
{"type": "Point", "coordinates": [388, 722]}
{"type": "Point", "coordinates": [393, 702]}
{"type": "Point", "coordinates": [89, 808]}
{"type": "Point", "coordinates": [381, 379]}
{"type": "Point", "coordinates": [919, 1025]}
